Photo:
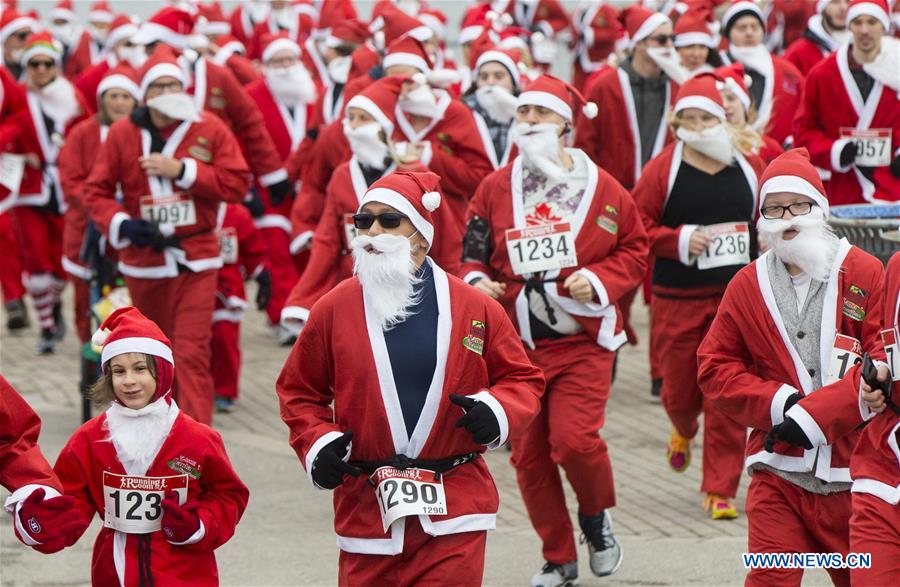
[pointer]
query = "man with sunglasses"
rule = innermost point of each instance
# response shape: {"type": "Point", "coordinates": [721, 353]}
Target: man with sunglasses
{"type": "Point", "coordinates": [794, 325]}
{"type": "Point", "coordinates": [14, 30]}
{"type": "Point", "coordinates": [424, 374]}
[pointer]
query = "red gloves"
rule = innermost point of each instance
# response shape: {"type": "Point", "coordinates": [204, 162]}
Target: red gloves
{"type": "Point", "coordinates": [179, 522]}
{"type": "Point", "coordinates": [54, 522]}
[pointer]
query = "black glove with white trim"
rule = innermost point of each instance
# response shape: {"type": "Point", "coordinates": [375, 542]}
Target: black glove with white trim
{"type": "Point", "coordinates": [281, 191]}
{"type": "Point", "coordinates": [790, 432]}
{"type": "Point", "coordinates": [479, 419]}
{"type": "Point", "coordinates": [848, 154]}
{"type": "Point", "coordinates": [329, 468]}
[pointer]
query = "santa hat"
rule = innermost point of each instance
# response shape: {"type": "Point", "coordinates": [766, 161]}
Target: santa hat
{"type": "Point", "coordinates": [162, 63]}
{"type": "Point", "coordinates": [793, 173]}
{"type": "Point", "coordinates": [121, 27]}
{"type": "Point", "coordinates": [556, 95]}
{"type": "Point", "coordinates": [410, 193]}
{"type": "Point", "coordinates": [513, 37]}
{"type": "Point", "coordinates": [13, 20]}
{"type": "Point", "coordinates": [738, 9]}
{"type": "Point", "coordinates": [398, 24]}
{"type": "Point", "coordinates": [734, 79]}
{"type": "Point", "coordinates": [128, 331]}
{"type": "Point", "coordinates": [211, 20]}
{"type": "Point", "coordinates": [640, 22]}
{"type": "Point", "coordinates": [485, 51]}
{"type": "Point", "coordinates": [697, 27]}
{"type": "Point", "coordinates": [330, 15]}
{"type": "Point", "coordinates": [700, 92]}
{"type": "Point", "coordinates": [379, 100]}
{"type": "Point", "coordinates": [407, 51]}
{"type": "Point", "coordinates": [121, 77]}
{"type": "Point", "coordinates": [878, 9]}
{"type": "Point", "coordinates": [347, 32]}
{"type": "Point", "coordinates": [100, 12]}
{"type": "Point", "coordinates": [63, 10]}
{"type": "Point", "coordinates": [41, 43]}
{"type": "Point", "coordinates": [435, 20]}
{"type": "Point", "coordinates": [272, 44]}
{"type": "Point", "coordinates": [474, 22]}
{"type": "Point", "coordinates": [170, 25]}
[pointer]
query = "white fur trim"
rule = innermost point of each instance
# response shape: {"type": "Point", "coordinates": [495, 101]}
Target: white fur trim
{"type": "Point", "coordinates": [368, 106]}
{"type": "Point", "coordinates": [546, 100]}
{"type": "Point", "coordinates": [808, 424]}
{"type": "Point", "coordinates": [499, 413]}
{"type": "Point", "coordinates": [115, 226]}
{"type": "Point", "coordinates": [442, 78]}
{"type": "Point", "coordinates": [431, 201]}
{"type": "Point", "coordinates": [316, 448]}
{"type": "Point", "coordinates": [473, 276]}
{"type": "Point", "coordinates": [120, 82]}
{"type": "Point", "coordinates": [150, 32]}
{"type": "Point", "coordinates": [162, 70]}
{"type": "Point", "coordinates": [273, 177]}
{"type": "Point", "coordinates": [732, 85]}
{"type": "Point", "coordinates": [41, 49]}
{"type": "Point", "coordinates": [877, 488]}
{"type": "Point", "coordinates": [599, 288]}
{"type": "Point", "coordinates": [701, 102]}
{"type": "Point", "coordinates": [24, 22]}
{"type": "Point", "coordinates": [469, 34]}
{"type": "Point", "coordinates": [836, 148]}
{"type": "Point", "coordinates": [684, 242]}
{"type": "Point", "coordinates": [195, 537]}
{"type": "Point", "coordinates": [654, 21]}
{"type": "Point", "coordinates": [103, 16]}
{"type": "Point", "coordinates": [737, 7]}
{"type": "Point", "coordinates": [504, 60]}
{"type": "Point", "coordinates": [869, 9]}
{"type": "Point", "coordinates": [695, 38]}
{"type": "Point", "coordinates": [136, 344]}
{"type": "Point", "coordinates": [126, 31]}
{"type": "Point", "coordinates": [421, 33]}
{"type": "Point", "coordinates": [401, 204]}
{"type": "Point", "coordinates": [410, 59]}
{"type": "Point", "coordinates": [190, 173]}
{"type": "Point", "coordinates": [279, 45]}
{"type": "Point", "coordinates": [776, 408]}
{"type": "Point", "coordinates": [14, 504]}
{"type": "Point", "coordinates": [294, 317]}
{"type": "Point", "coordinates": [794, 185]}
{"type": "Point", "coordinates": [212, 28]}
{"type": "Point", "coordinates": [298, 243]}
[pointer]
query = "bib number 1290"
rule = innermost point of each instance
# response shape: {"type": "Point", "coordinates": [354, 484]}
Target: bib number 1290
{"type": "Point", "coordinates": [408, 492]}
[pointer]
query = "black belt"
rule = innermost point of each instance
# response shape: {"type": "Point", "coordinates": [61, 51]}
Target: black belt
{"type": "Point", "coordinates": [403, 462]}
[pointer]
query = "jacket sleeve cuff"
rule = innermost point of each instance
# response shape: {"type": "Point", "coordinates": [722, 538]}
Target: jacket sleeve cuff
{"type": "Point", "coordinates": [316, 448]}
{"type": "Point", "coordinates": [298, 243]}
{"type": "Point", "coordinates": [14, 503]}
{"type": "Point", "coordinates": [808, 424]}
{"type": "Point", "coordinates": [115, 225]}
{"type": "Point", "coordinates": [190, 173]}
{"type": "Point", "coordinates": [684, 242]}
{"type": "Point", "coordinates": [273, 177]}
{"type": "Point", "coordinates": [472, 276]}
{"type": "Point", "coordinates": [776, 409]}
{"type": "Point", "coordinates": [427, 153]}
{"type": "Point", "coordinates": [499, 413]}
{"type": "Point", "coordinates": [293, 318]}
{"type": "Point", "coordinates": [602, 294]}
{"type": "Point", "coordinates": [195, 537]}
{"type": "Point", "coordinates": [836, 148]}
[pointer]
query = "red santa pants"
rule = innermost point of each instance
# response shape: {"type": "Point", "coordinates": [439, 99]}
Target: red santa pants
{"type": "Point", "coordinates": [226, 352]}
{"type": "Point", "coordinates": [283, 271]}
{"type": "Point", "coordinates": [11, 261]}
{"type": "Point", "coordinates": [566, 433]}
{"type": "Point", "coordinates": [82, 291]}
{"type": "Point", "coordinates": [875, 529]}
{"type": "Point", "coordinates": [784, 517]}
{"type": "Point", "coordinates": [452, 559]}
{"type": "Point", "coordinates": [39, 236]}
{"type": "Point", "coordinates": [681, 324]}
{"type": "Point", "coordinates": [182, 307]}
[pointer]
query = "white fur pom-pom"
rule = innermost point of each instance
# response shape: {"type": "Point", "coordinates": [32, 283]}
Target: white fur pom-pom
{"type": "Point", "coordinates": [431, 201]}
{"type": "Point", "coordinates": [420, 79]}
{"type": "Point", "coordinates": [99, 337]}
{"type": "Point", "coordinates": [590, 110]}
{"type": "Point", "coordinates": [748, 81]}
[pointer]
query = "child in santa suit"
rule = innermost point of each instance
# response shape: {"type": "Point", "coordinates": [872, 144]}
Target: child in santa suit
{"type": "Point", "coordinates": [160, 480]}
{"type": "Point", "coordinates": [243, 251]}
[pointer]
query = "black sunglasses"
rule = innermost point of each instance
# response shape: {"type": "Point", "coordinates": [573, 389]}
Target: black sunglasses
{"type": "Point", "coordinates": [662, 39]}
{"type": "Point", "coordinates": [364, 221]}
{"type": "Point", "coordinates": [40, 64]}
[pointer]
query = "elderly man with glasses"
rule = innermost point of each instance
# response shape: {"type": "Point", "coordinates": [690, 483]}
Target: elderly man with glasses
{"type": "Point", "coordinates": [793, 325]}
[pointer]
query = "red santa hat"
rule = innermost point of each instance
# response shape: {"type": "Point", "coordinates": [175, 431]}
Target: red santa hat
{"type": "Point", "coordinates": [272, 44]}
{"type": "Point", "coordinates": [697, 27]}
{"type": "Point", "coordinates": [474, 22]}
{"type": "Point", "coordinates": [128, 331]}
{"type": "Point", "coordinates": [878, 9]}
{"type": "Point", "coordinates": [734, 79]}
{"type": "Point", "coordinates": [485, 51]}
{"type": "Point", "coordinates": [330, 15]}
{"type": "Point", "coordinates": [63, 10]}
{"type": "Point", "coordinates": [41, 43]}
{"type": "Point", "coordinates": [379, 100]}
{"type": "Point", "coordinates": [121, 77]}
{"type": "Point", "coordinates": [639, 23]}
{"type": "Point", "coordinates": [792, 172]}
{"type": "Point", "coordinates": [407, 51]}
{"type": "Point", "coordinates": [700, 92]}
{"type": "Point", "coordinates": [13, 20]}
{"type": "Point", "coordinates": [398, 24]}
{"type": "Point", "coordinates": [347, 32]}
{"type": "Point", "coordinates": [556, 95]}
{"type": "Point", "coordinates": [211, 20]}
{"type": "Point", "coordinates": [100, 12]}
{"type": "Point", "coordinates": [410, 193]}
{"type": "Point", "coordinates": [170, 25]}
{"type": "Point", "coordinates": [739, 8]}
{"type": "Point", "coordinates": [162, 63]}
{"type": "Point", "coordinates": [435, 20]}
{"type": "Point", "coordinates": [121, 27]}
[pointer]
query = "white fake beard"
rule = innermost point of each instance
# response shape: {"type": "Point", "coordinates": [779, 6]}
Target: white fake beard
{"type": "Point", "coordinates": [339, 69]}
{"type": "Point", "coordinates": [885, 68]}
{"type": "Point", "coordinates": [284, 17]}
{"type": "Point", "coordinates": [498, 102]}
{"type": "Point", "coordinates": [756, 58]}
{"type": "Point", "coordinates": [539, 145]}
{"type": "Point", "coordinates": [420, 102]}
{"type": "Point", "coordinates": [135, 56]}
{"type": "Point", "coordinates": [258, 10]}
{"type": "Point", "coordinates": [179, 106]}
{"type": "Point", "coordinates": [97, 33]}
{"type": "Point", "coordinates": [137, 434]}
{"type": "Point", "coordinates": [58, 101]}
{"type": "Point", "coordinates": [670, 62]}
{"type": "Point", "coordinates": [812, 249]}
{"type": "Point", "coordinates": [388, 279]}
{"type": "Point", "coordinates": [367, 145]}
{"type": "Point", "coordinates": [714, 142]}
{"type": "Point", "coordinates": [67, 33]}
{"type": "Point", "coordinates": [292, 85]}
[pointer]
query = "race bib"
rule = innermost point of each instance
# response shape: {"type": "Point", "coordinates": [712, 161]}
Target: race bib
{"type": "Point", "coordinates": [349, 231]}
{"type": "Point", "coordinates": [846, 352]}
{"type": "Point", "coordinates": [873, 145]}
{"type": "Point", "coordinates": [408, 492]}
{"type": "Point", "coordinates": [134, 504]}
{"type": "Point", "coordinates": [228, 245]}
{"type": "Point", "coordinates": [12, 169]}
{"type": "Point", "coordinates": [729, 244]}
{"type": "Point", "coordinates": [176, 209]}
{"type": "Point", "coordinates": [541, 248]}
{"type": "Point", "coordinates": [889, 338]}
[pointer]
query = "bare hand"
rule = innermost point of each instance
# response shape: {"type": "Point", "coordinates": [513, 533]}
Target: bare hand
{"type": "Point", "coordinates": [580, 289]}
{"type": "Point", "coordinates": [32, 160]}
{"type": "Point", "coordinates": [874, 399]}
{"type": "Point", "coordinates": [495, 289]}
{"type": "Point", "coordinates": [698, 243]}
{"type": "Point", "coordinates": [160, 165]}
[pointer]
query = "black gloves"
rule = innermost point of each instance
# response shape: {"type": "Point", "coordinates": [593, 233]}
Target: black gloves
{"type": "Point", "coordinates": [790, 401]}
{"type": "Point", "coordinates": [895, 166]}
{"type": "Point", "coordinates": [329, 468]}
{"type": "Point", "coordinates": [848, 154]}
{"type": "Point", "coordinates": [279, 192]}
{"type": "Point", "coordinates": [479, 419]}
{"type": "Point", "coordinates": [790, 432]}
{"type": "Point", "coordinates": [264, 292]}
{"type": "Point", "coordinates": [254, 204]}
{"type": "Point", "coordinates": [140, 232]}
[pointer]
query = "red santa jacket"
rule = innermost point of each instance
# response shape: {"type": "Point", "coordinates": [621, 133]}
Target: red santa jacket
{"type": "Point", "coordinates": [814, 46]}
{"type": "Point", "coordinates": [546, 16]}
{"type": "Point", "coordinates": [231, 56]}
{"type": "Point", "coordinates": [191, 448]}
{"type": "Point", "coordinates": [80, 57]}
{"type": "Point", "coordinates": [12, 99]}
{"type": "Point", "coordinates": [612, 139]}
{"type": "Point", "coordinates": [832, 101]}
{"type": "Point", "coordinates": [214, 172]}
{"type": "Point", "coordinates": [340, 332]}
{"type": "Point", "coordinates": [610, 242]}
{"type": "Point", "coordinates": [595, 28]}
{"type": "Point", "coordinates": [749, 367]}
{"type": "Point", "coordinates": [331, 260]}
{"type": "Point", "coordinates": [89, 79]}
{"type": "Point", "coordinates": [243, 255]}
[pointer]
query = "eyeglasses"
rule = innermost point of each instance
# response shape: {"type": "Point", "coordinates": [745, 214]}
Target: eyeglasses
{"type": "Point", "coordinates": [662, 39]}
{"type": "Point", "coordinates": [365, 221]}
{"type": "Point", "coordinates": [797, 209]}
{"type": "Point", "coordinates": [162, 87]}
{"type": "Point", "coordinates": [40, 64]}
